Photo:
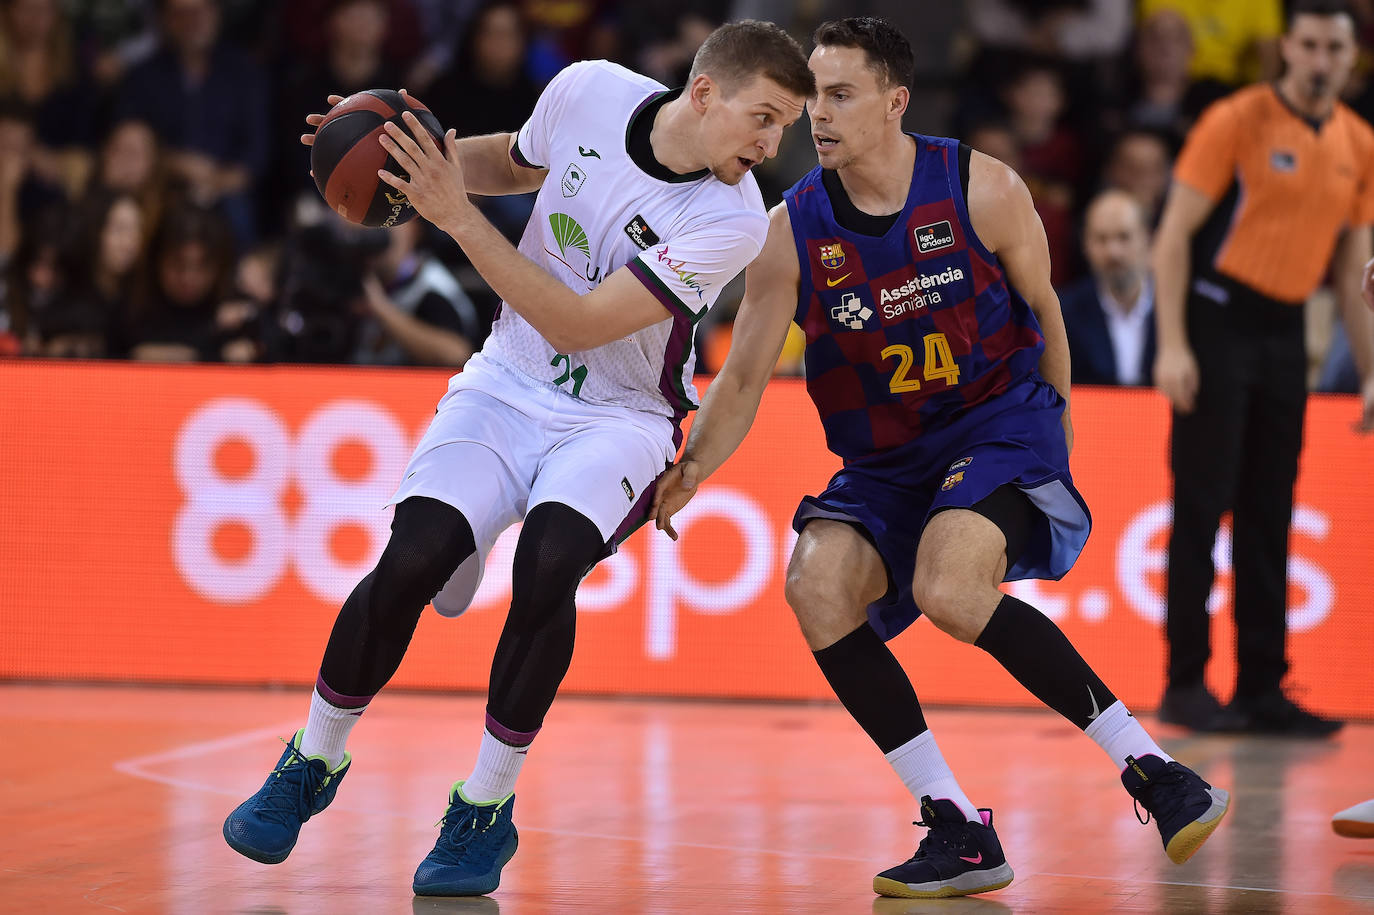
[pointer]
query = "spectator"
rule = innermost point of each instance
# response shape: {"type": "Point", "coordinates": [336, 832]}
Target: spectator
{"type": "Point", "coordinates": [1109, 314]}
{"type": "Point", "coordinates": [1235, 41]}
{"type": "Point", "coordinates": [1163, 94]}
{"type": "Point", "coordinates": [416, 313]}
{"type": "Point", "coordinates": [487, 90]}
{"type": "Point", "coordinates": [208, 105]}
{"type": "Point", "coordinates": [1139, 163]}
{"type": "Point", "coordinates": [1050, 155]}
{"type": "Point", "coordinates": [1066, 29]}
{"type": "Point", "coordinates": [130, 160]}
{"type": "Point", "coordinates": [39, 69]}
{"type": "Point", "coordinates": [99, 264]}
{"type": "Point", "coordinates": [177, 317]}
{"type": "Point", "coordinates": [31, 281]}
{"type": "Point", "coordinates": [353, 59]}
{"type": "Point", "coordinates": [405, 30]}
{"type": "Point", "coordinates": [1231, 357]}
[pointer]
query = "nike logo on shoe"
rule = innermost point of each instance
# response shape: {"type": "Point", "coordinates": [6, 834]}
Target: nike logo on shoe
{"type": "Point", "coordinates": [977, 860]}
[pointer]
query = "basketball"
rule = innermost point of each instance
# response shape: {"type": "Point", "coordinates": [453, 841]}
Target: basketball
{"type": "Point", "coordinates": [346, 156]}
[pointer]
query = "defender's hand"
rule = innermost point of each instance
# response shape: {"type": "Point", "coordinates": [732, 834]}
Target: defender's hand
{"type": "Point", "coordinates": [1176, 376]}
{"type": "Point", "coordinates": [674, 489]}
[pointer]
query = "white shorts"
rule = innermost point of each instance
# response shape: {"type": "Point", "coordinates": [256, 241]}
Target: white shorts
{"type": "Point", "coordinates": [501, 443]}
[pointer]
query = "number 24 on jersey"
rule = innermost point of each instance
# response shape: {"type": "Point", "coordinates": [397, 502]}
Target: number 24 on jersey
{"type": "Point", "coordinates": [938, 363]}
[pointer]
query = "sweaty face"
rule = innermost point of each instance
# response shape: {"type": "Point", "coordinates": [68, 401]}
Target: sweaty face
{"type": "Point", "coordinates": [743, 127]}
{"type": "Point", "coordinates": [1319, 52]}
{"type": "Point", "coordinates": [850, 110]}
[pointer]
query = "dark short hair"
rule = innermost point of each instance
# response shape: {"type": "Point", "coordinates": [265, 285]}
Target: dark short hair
{"type": "Point", "coordinates": [737, 51]}
{"type": "Point", "coordinates": [1298, 8]}
{"type": "Point", "coordinates": [887, 50]}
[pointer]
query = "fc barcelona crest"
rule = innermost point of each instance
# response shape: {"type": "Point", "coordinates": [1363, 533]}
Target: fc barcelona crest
{"type": "Point", "coordinates": [832, 256]}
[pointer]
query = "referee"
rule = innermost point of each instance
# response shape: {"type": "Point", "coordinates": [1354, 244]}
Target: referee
{"type": "Point", "coordinates": [1274, 186]}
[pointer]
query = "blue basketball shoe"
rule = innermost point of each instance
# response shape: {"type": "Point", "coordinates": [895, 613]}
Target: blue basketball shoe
{"type": "Point", "coordinates": [956, 858]}
{"type": "Point", "coordinates": [265, 826]}
{"type": "Point", "coordinates": [1186, 809]}
{"type": "Point", "coordinates": [475, 842]}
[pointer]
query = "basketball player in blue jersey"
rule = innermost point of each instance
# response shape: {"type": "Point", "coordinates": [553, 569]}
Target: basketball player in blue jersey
{"type": "Point", "coordinates": [937, 358]}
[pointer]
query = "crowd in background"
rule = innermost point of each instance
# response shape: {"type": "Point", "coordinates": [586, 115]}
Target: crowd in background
{"type": "Point", "coordinates": [155, 201]}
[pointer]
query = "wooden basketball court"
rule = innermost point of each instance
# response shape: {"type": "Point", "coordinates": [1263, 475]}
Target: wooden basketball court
{"type": "Point", "coordinates": [113, 799]}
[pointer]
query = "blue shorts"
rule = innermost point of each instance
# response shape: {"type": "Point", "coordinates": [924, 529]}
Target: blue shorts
{"type": "Point", "coordinates": [1016, 438]}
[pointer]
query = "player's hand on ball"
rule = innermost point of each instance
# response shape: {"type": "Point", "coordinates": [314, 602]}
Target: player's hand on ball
{"type": "Point", "coordinates": [1177, 377]}
{"type": "Point", "coordinates": [674, 489]}
{"type": "Point", "coordinates": [435, 187]}
{"type": "Point", "coordinates": [308, 139]}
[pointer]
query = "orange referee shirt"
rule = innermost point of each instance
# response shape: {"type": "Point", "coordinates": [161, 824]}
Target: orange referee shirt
{"type": "Point", "coordinates": [1285, 189]}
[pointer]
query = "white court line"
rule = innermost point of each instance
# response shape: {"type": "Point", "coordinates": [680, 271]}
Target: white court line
{"type": "Point", "coordinates": [136, 767]}
{"type": "Point", "coordinates": [1207, 886]}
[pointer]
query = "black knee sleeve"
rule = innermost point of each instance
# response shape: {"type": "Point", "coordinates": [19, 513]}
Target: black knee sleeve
{"type": "Point", "coordinates": [429, 539]}
{"type": "Point", "coordinates": [557, 547]}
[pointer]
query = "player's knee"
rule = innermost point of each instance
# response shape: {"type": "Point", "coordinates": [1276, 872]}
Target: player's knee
{"type": "Point", "coordinates": [429, 540]}
{"type": "Point", "coordinates": [823, 607]}
{"type": "Point", "coordinates": [942, 598]}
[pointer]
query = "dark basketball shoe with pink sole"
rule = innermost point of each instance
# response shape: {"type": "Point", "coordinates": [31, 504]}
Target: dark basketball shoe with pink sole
{"type": "Point", "coordinates": [956, 858]}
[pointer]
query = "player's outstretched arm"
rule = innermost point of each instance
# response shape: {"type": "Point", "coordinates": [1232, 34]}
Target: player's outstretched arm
{"type": "Point", "coordinates": [731, 402]}
{"type": "Point", "coordinates": [1003, 215]}
{"type": "Point", "coordinates": [488, 166]}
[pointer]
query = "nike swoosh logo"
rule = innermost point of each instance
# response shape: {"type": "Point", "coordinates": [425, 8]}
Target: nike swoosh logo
{"type": "Point", "coordinates": [590, 153]}
{"type": "Point", "coordinates": [1095, 713]}
{"type": "Point", "coordinates": [977, 860]}
{"type": "Point", "coordinates": [832, 283]}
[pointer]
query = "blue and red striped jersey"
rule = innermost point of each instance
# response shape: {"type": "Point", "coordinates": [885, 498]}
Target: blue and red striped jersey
{"type": "Point", "coordinates": [907, 330]}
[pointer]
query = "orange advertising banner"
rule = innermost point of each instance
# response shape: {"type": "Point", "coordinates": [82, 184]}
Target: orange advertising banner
{"type": "Point", "coordinates": [201, 524]}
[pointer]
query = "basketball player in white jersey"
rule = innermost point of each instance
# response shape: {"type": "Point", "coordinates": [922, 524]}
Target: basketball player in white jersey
{"type": "Point", "coordinates": [646, 209]}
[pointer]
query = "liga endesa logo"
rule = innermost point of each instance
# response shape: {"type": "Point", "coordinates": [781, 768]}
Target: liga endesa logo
{"type": "Point", "coordinates": [262, 502]}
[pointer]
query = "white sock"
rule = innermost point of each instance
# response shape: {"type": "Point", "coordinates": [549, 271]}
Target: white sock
{"type": "Point", "coordinates": [327, 729]}
{"type": "Point", "coordinates": [922, 768]}
{"type": "Point", "coordinates": [493, 775]}
{"type": "Point", "coordinates": [1118, 733]}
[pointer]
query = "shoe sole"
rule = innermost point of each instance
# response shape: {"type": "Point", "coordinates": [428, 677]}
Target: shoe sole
{"type": "Point", "coordinates": [990, 880]}
{"type": "Point", "coordinates": [1353, 829]}
{"type": "Point", "coordinates": [1190, 838]}
{"type": "Point", "coordinates": [250, 852]}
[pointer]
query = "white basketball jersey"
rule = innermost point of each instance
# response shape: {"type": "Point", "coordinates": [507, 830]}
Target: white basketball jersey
{"type": "Point", "coordinates": [598, 212]}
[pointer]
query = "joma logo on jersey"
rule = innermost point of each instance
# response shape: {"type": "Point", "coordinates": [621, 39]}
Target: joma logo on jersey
{"type": "Point", "coordinates": [851, 312]}
{"type": "Point", "coordinates": [912, 295]}
{"type": "Point", "coordinates": [832, 256]}
{"type": "Point", "coordinates": [686, 277]}
{"type": "Point", "coordinates": [933, 237]}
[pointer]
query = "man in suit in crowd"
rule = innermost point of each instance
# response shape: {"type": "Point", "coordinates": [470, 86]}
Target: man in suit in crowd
{"type": "Point", "coordinates": [1110, 313]}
